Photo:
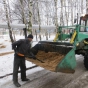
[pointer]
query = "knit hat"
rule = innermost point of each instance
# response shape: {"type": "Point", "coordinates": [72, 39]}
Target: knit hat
{"type": "Point", "coordinates": [30, 36]}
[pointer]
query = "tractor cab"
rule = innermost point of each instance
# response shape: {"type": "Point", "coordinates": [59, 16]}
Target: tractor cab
{"type": "Point", "coordinates": [84, 22]}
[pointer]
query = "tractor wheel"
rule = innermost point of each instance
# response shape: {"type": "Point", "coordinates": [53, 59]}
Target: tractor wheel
{"type": "Point", "coordinates": [86, 62]}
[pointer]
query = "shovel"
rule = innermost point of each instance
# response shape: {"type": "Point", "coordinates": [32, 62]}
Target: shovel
{"type": "Point", "coordinates": [30, 56]}
{"type": "Point", "coordinates": [35, 58]}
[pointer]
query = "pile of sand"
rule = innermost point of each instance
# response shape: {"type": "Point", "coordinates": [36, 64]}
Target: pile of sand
{"type": "Point", "coordinates": [50, 59]}
{"type": "Point", "coordinates": [5, 53]}
{"type": "Point", "coordinates": [2, 46]}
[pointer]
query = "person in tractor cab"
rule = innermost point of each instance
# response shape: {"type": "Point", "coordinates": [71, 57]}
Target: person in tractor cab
{"type": "Point", "coordinates": [21, 48]}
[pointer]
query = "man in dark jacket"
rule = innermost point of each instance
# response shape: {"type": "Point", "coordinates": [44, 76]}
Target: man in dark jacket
{"type": "Point", "coordinates": [22, 49]}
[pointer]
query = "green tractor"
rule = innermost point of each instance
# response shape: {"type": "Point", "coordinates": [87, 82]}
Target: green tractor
{"type": "Point", "coordinates": [69, 40]}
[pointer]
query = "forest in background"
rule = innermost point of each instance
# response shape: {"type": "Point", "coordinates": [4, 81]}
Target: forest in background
{"type": "Point", "coordinates": [41, 12]}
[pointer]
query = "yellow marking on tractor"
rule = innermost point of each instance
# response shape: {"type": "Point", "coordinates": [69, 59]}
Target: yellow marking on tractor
{"type": "Point", "coordinates": [56, 37]}
{"type": "Point", "coordinates": [73, 37]}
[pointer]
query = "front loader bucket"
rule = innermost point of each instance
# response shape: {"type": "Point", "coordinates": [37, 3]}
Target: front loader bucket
{"type": "Point", "coordinates": [56, 58]}
{"type": "Point", "coordinates": [68, 63]}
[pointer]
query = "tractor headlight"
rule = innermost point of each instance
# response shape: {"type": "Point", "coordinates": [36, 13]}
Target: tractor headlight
{"type": "Point", "coordinates": [77, 44]}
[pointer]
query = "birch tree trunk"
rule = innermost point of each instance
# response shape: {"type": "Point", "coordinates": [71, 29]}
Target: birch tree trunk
{"type": "Point", "coordinates": [86, 6]}
{"type": "Point", "coordinates": [82, 6]}
{"type": "Point", "coordinates": [61, 16]}
{"type": "Point", "coordinates": [24, 21]}
{"type": "Point", "coordinates": [36, 35]}
{"type": "Point", "coordinates": [8, 21]}
{"type": "Point", "coordinates": [66, 12]}
{"type": "Point", "coordinates": [23, 15]}
{"type": "Point", "coordinates": [30, 16]}
{"type": "Point", "coordinates": [71, 4]}
{"type": "Point", "coordinates": [11, 20]}
{"type": "Point", "coordinates": [56, 18]}
{"type": "Point", "coordinates": [47, 16]}
{"type": "Point", "coordinates": [39, 19]}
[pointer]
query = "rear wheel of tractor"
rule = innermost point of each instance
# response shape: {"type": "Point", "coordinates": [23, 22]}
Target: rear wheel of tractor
{"type": "Point", "coordinates": [86, 62]}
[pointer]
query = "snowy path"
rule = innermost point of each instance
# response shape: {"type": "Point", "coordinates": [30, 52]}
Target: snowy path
{"type": "Point", "coordinates": [41, 78]}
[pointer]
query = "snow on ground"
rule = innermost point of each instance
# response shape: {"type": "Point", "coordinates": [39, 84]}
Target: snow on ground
{"type": "Point", "coordinates": [6, 61]}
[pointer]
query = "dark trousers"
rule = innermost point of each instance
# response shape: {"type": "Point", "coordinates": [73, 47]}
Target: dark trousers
{"type": "Point", "coordinates": [19, 62]}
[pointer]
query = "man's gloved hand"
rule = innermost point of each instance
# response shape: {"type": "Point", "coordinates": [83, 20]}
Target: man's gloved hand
{"type": "Point", "coordinates": [33, 56]}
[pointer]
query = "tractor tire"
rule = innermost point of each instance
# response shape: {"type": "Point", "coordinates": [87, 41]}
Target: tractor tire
{"type": "Point", "coordinates": [86, 62]}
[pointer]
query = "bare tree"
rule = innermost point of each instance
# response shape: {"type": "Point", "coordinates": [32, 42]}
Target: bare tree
{"type": "Point", "coordinates": [82, 6]}
{"type": "Point", "coordinates": [87, 6]}
{"type": "Point", "coordinates": [61, 16]}
{"type": "Point", "coordinates": [30, 4]}
{"type": "Point", "coordinates": [24, 20]}
{"type": "Point", "coordinates": [23, 15]}
{"type": "Point", "coordinates": [71, 4]}
{"type": "Point", "coordinates": [39, 21]}
{"type": "Point", "coordinates": [8, 21]}
{"type": "Point", "coordinates": [56, 18]}
{"type": "Point", "coordinates": [66, 14]}
{"type": "Point", "coordinates": [48, 12]}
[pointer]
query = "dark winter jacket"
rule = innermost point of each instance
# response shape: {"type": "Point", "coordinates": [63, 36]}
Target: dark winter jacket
{"type": "Point", "coordinates": [22, 46]}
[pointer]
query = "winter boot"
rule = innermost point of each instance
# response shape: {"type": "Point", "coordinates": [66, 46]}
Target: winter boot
{"type": "Point", "coordinates": [25, 79]}
{"type": "Point", "coordinates": [16, 84]}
